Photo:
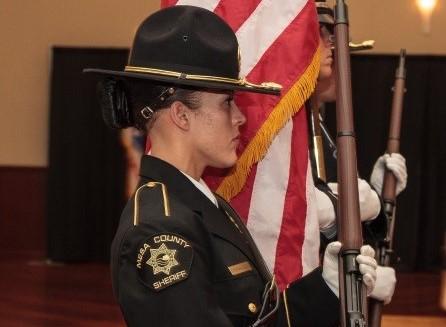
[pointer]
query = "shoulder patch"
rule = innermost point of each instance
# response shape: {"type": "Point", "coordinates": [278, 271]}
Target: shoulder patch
{"type": "Point", "coordinates": [163, 260]}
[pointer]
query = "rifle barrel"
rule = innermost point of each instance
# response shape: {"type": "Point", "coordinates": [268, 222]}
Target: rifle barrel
{"type": "Point", "coordinates": [351, 289]}
{"type": "Point", "coordinates": [385, 249]}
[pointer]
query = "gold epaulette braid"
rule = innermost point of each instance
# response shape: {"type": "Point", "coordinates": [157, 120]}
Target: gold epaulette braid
{"type": "Point", "coordinates": [165, 200]}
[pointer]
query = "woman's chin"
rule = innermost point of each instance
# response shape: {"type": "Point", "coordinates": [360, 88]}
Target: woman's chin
{"type": "Point", "coordinates": [225, 163]}
{"type": "Point", "coordinates": [325, 73]}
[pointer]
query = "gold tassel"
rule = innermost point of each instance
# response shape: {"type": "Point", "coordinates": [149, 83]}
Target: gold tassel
{"type": "Point", "coordinates": [288, 106]}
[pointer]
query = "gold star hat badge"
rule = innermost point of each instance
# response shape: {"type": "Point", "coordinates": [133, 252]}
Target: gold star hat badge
{"type": "Point", "coordinates": [164, 260]}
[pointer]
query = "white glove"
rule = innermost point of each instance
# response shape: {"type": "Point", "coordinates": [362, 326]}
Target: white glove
{"type": "Point", "coordinates": [369, 203]}
{"type": "Point", "coordinates": [367, 266]}
{"type": "Point", "coordinates": [385, 284]}
{"type": "Point", "coordinates": [325, 210]}
{"type": "Point", "coordinates": [396, 164]}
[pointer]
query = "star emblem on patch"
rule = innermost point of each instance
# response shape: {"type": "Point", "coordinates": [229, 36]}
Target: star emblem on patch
{"type": "Point", "coordinates": [162, 259]}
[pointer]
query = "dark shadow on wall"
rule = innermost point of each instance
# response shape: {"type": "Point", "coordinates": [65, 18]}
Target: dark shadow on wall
{"type": "Point", "coordinates": [86, 161]}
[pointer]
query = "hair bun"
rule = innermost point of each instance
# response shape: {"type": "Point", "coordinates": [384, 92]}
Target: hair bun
{"type": "Point", "coordinates": [114, 105]}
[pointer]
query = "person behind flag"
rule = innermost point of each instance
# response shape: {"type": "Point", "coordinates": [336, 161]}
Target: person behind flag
{"type": "Point", "coordinates": [371, 210]}
{"type": "Point", "coordinates": [181, 255]}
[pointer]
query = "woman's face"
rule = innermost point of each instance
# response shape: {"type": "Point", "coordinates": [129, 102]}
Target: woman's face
{"type": "Point", "coordinates": [326, 43]}
{"type": "Point", "coordinates": [215, 131]}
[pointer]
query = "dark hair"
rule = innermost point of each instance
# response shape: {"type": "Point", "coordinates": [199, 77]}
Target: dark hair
{"type": "Point", "coordinates": [123, 100]}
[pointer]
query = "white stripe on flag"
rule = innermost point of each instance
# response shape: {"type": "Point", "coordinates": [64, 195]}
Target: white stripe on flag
{"type": "Point", "coordinates": [263, 27]}
{"type": "Point", "coordinates": [268, 195]}
{"type": "Point", "coordinates": [310, 247]}
{"type": "Point", "coordinates": [207, 4]}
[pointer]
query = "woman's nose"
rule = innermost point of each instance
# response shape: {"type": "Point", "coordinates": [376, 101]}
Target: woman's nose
{"type": "Point", "coordinates": [238, 116]}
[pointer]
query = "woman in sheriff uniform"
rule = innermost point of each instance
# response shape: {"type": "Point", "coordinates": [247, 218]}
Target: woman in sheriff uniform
{"type": "Point", "coordinates": [181, 255]}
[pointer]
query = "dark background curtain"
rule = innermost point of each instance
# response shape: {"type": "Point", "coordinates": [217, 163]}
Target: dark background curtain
{"type": "Point", "coordinates": [421, 208]}
{"type": "Point", "coordinates": [86, 175]}
{"type": "Point", "coordinates": [86, 161]}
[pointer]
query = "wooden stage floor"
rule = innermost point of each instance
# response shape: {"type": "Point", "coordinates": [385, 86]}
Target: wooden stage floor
{"type": "Point", "coordinates": [35, 293]}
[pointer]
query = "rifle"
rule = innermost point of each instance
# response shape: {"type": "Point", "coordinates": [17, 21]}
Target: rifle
{"type": "Point", "coordinates": [352, 292]}
{"type": "Point", "coordinates": [385, 248]}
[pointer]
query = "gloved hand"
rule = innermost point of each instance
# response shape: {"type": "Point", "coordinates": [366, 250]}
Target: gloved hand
{"type": "Point", "coordinates": [367, 266]}
{"type": "Point", "coordinates": [369, 203]}
{"type": "Point", "coordinates": [385, 284]}
{"type": "Point", "coordinates": [396, 164]}
{"type": "Point", "coordinates": [326, 214]}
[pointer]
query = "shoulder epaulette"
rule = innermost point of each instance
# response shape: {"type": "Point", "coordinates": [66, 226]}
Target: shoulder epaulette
{"type": "Point", "coordinates": [150, 185]}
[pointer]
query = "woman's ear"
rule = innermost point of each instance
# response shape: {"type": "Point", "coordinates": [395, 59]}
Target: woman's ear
{"type": "Point", "coordinates": [180, 115]}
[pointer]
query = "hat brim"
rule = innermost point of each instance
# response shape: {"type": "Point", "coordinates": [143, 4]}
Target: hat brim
{"type": "Point", "coordinates": [205, 84]}
{"type": "Point", "coordinates": [355, 47]}
{"type": "Point", "coordinates": [326, 19]}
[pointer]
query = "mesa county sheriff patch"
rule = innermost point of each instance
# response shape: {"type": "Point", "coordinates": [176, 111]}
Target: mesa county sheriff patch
{"type": "Point", "coordinates": [163, 260]}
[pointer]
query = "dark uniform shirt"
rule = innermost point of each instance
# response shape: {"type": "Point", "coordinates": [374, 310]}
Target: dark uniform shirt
{"type": "Point", "coordinates": [179, 260]}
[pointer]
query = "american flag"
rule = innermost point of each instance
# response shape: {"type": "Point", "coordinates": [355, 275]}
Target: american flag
{"type": "Point", "coordinates": [271, 186]}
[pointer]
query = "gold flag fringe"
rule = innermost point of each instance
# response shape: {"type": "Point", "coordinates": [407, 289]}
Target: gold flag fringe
{"type": "Point", "coordinates": [288, 106]}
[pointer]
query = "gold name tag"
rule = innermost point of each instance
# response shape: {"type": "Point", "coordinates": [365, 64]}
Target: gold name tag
{"type": "Point", "coordinates": [240, 268]}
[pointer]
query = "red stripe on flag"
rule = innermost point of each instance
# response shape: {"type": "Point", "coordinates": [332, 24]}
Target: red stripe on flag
{"type": "Point", "coordinates": [168, 3]}
{"type": "Point", "coordinates": [288, 265]}
{"type": "Point", "coordinates": [242, 200]}
{"type": "Point", "coordinates": [235, 14]}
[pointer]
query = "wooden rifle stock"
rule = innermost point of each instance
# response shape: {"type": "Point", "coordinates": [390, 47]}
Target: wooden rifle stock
{"type": "Point", "coordinates": [316, 139]}
{"type": "Point", "coordinates": [352, 293]}
{"type": "Point", "coordinates": [385, 249]}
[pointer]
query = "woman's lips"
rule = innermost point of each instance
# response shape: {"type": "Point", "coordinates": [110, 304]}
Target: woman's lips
{"type": "Point", "coordinates": [236, 140]}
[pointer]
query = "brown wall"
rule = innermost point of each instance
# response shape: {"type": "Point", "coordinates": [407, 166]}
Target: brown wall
{"type": "Point", "coordinates": [396, 24]}
{"type": "Point", "coordinates": [28, 30]}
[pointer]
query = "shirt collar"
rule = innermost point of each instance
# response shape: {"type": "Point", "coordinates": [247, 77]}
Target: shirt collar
{"type": "Point", "coordinates": [202, 186]}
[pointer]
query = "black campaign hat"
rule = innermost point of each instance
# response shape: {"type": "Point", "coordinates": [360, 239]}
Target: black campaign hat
{"type": "Point", "coordinates": [325, 14]}
{"type": "Point", "coordinates": [191, 46]}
